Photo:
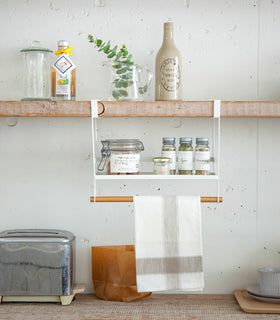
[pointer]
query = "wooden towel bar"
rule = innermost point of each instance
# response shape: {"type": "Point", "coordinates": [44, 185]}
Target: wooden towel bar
{"type": "Point", "coordinates": [130, 199]}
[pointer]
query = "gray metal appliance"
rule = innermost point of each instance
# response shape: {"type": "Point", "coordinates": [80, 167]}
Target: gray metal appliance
{"type": "Point", "coordinates": [36, 262]}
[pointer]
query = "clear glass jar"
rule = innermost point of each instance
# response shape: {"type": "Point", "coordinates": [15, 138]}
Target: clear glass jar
{"type": "Point", "coordinates": [169, 151]}
{"type": "Point", "coordinates": [122, 156]}
{"type": "Point", "coordinates": [37, 75]}
{"type": "Point", "coordinates": [202, 156]}
{"type": "Point", "coordinates": [185, 156]}
{"type": "Point", "coordinates": [128, 85]}
{"type": "Point", "coordinates": [161, 165]}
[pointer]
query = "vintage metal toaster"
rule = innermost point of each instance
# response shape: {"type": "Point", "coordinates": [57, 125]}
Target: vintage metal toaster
{"type": "Point", "coordinates": [36, 262]}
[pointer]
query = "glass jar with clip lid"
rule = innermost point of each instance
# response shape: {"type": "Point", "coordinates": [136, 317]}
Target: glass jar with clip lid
{"type": "Point", "coordinates": [122, 156]}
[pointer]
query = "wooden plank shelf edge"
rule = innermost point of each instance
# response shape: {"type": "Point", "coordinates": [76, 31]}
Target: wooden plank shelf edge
{"type": "Point", "coordinates": [139, 109]}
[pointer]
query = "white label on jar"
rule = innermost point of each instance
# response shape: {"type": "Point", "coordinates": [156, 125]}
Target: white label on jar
{"type": "Point", "coordinates": [161, 169]}
{"type": "Point", "coordinates": [125, 163]}
{"type": "Point", "coordinates": [185, 160]}
{"type": "Point", "coordinates": [205, 166]}
{"type": "Point", "coordinates": [202, 160]}
{"type": "Point", "coordinates": [202, 155]}
{"type": "Point", "coordinates": [172, 156]}
{"type": "Point", "coordinates": [62, 83]}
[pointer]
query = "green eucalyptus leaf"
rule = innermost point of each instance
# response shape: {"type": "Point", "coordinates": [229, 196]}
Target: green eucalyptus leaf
{"type": "Point", "coordinates": [127, 76]}
{"type": "Point", "coordinates": [118, 66]}
{"type": "Point", "coordinates": [115, 49]}
{"type": "Point", "coordinates": [129, 63]}
{"type": "Point", "coordinates": [98, 42]}
{"type": "Point", "coordinates": [113, 52]}
{"type": "Point", "coordinates": [118, 84]}
{"type": "Point", "coordinates": [122, 70]}
{"type": "Point", "coordinates": [111, 55]}
{"type": "Point", "coordinates": [123, 93]}
{"type": "Point", "coordinates": [116, 94]}
{"type": "Point", "coordinates": [107, 47]}
{"type": "Point", "coordinates": [124, 84]}
{"type": "Point", "coordinates": [119, 54]}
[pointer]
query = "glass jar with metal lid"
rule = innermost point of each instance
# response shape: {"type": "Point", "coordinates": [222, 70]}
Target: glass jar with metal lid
{"type": "Point", "coordinates": [161, 165]}
{"type": "Point", "coordinates": [169, 151]}
{"type": "Point", "coordinates": [121, 155]}
{"type": "Point", "coordinates": [185, 156]}
{"type": "Point", "coordinates": [202, 156]}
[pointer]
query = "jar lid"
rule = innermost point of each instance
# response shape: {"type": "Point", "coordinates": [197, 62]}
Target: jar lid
{"type": "Point", "coordinates": [35, 46]}
{"type": "Point", "coordinates": [168, 140]}
{"type": "Point", "coordinates": [123, 144]}
{"type": "Point", "coordinates": [202, 140]}
{"type": "Point", "coordinates": [161, 160]}
{"type": "Point", "coordinates": [187, 140]}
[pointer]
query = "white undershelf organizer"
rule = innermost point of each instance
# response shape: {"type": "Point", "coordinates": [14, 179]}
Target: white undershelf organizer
{"type": "Point", "coordinates": [215, 151]}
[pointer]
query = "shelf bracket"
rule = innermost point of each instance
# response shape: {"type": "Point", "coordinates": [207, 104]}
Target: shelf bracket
{"type": "Point", "coordinates": [94, 116]}
{"type": "Point", "coordinates": [217, 115]}
{"type": "Point", "coordinates": [217, 108]}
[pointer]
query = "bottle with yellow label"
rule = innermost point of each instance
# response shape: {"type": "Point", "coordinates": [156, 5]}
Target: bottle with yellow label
{"type": "Point", "coordinates": [64, 73]}
{"type": "Point", "coordinates": [168, 68]}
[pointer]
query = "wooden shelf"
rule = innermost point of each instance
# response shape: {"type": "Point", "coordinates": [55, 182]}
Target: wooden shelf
{"type": "Point", "coordinates": [139, 109]}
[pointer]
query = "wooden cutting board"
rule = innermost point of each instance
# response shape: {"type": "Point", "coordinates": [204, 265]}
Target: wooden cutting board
{"type": "Point", "coordinates": [251, 305]}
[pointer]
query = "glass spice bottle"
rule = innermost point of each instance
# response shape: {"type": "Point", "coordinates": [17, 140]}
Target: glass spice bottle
{"type": "Point", "coordinates": [63, 73]}
{"type": "Point", "coordinates": [169, 151]}
{"type": "Point", "coordinates": [185, 156]}
{"type": "Point", "coordinates": [202, 156]}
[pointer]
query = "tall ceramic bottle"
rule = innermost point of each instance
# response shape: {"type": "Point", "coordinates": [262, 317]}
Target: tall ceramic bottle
{"type": "Point", "coordinates": [63, 73]}
{"type": "Point", "coordinates": [168, 68]}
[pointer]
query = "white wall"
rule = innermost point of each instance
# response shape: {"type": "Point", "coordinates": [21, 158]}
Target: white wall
{"type": "Point", "coordinates": [230, 51]}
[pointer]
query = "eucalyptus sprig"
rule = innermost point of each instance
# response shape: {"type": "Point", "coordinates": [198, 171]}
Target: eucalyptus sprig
{"type": "Point", "coordinates": [123, 63]}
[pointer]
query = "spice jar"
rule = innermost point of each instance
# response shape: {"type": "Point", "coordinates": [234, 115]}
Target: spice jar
{"type": "Point", "coordinates": [169, 151]}
{"type": "Point", "coordinates": [185, 156]}
{"type": "Point", "coordinates": [121, 155]}
{"type": "Point", "coordinates": [161, 165]}
{"type": "Point", "coordinates": [202, 156]}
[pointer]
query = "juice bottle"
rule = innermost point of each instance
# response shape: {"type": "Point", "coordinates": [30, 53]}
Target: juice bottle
{"type": "Point", "coordinates": [63, 73]}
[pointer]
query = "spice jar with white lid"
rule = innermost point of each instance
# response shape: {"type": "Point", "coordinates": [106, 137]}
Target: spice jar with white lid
{"type": "Point", "coordinates": [121, 155]}
{"type": "Point", "coordinates": [169, 151]}
{"type": "Point", "coordinates": [185, 156]}
{"type": "Point", "coordinates": [202, 156]}
{"type": "Point", "coordinates": [161, 165]}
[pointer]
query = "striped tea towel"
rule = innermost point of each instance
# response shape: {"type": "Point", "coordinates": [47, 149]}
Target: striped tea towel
{"type": "Point", "coordinates": [168, 244]}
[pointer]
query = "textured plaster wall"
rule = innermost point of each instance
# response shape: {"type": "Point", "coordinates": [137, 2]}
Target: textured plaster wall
{"type": "Point", "coordinates": [230, 51]}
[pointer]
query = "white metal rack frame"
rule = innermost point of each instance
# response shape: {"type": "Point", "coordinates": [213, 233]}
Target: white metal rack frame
{"type": "Point", "coordinates": [148, 176]}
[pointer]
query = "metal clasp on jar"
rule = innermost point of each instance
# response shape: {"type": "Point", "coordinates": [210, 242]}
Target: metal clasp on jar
{"type": "Point", "coordinates": [105, 153]}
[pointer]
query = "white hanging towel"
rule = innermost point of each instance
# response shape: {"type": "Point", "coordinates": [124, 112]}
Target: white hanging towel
{"type": "Point", "coordinates": [168, 244]}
